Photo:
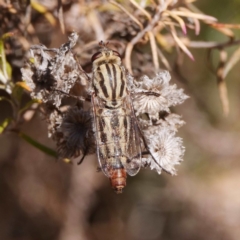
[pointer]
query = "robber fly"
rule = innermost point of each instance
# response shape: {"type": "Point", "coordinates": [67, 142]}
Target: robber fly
{"type": "Point", "coordinates": [117, 135]}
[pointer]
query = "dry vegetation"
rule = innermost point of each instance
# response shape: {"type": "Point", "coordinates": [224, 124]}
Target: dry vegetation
{"type": "Point", "coordinates": [45, 200]}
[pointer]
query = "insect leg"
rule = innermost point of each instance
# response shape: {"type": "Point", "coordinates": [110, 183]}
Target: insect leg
{"type": "Point", "coordinates": [149, 94]}
{"type": "Point", "coordinates": [95, 122]}
{"type": "Point", "coordinates": [80, 67]}
{"type": "Point", "coordinates": [84, 155]}
{"type": "Point", "coordinates": [72, 96]}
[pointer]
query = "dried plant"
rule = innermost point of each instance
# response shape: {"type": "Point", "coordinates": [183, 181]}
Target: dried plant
{"type": "Point", "coordinates": [52, 78]}
{"type": "Point", "coordinates": [57, 76]}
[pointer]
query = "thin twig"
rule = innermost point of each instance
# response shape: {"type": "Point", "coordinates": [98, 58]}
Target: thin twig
{"type": "Point", "coordinates": [219, 73]}
{"type": "Point", "coordinates": [180, 43]}
{"type": "Point", "coordinates": [96, 25]}
{"type": "Point", "coordinates": [28, 11]}
{"type": "Point", "coordinates": [184, 12]}
{"type": "Point", "coordinates": [232, 61]}
{"type": "Point", "coordinates": [213, 45]}
{"type": "Point", "coordinates": [163, 59]}
{"type": "Point", "coordinates": [221, 83]}
{"type": "Point", "coordinates": [179, 20]}
{"type": "Point", "coordinates": [141, 34]}
{"type": "Point", "coordinates": [210, 62]}
{"type": "Point", "coordinates": [141, 9]}
{"type": "Point", "coordinates": [60, 16]}
{"type": "Point", "coordinates": [128, 53]}
{"type": "Point", "coordinates": [197, 26]}
{"type": "Point", "coordinates": [127, 12]}
{"type": "Point", "coordinates": [154, 50]}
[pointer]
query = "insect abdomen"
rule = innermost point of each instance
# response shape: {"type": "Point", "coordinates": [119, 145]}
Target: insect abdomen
{"type": "Point", "coordinates": [113, 134]}
{"type": "Point", "coordinates": [118, 179]}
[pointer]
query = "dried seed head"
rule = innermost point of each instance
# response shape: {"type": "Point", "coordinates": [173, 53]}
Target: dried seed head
{"type": "Point", "coordinates": [170, 121]}
{"type": "Point", "coordinates": [77, 135]}
{"type": "Point", "coordinates": [55, 73]}
{"type": "Point", "coordinates": [152, 99]}
{"type": "Point", "coordinates": [37, 73]}
{"type": "Point", "coordinates": [52, 73]}
{"type": "Point", "coordinates": [54, 120]}
{"type": "Point", "coordinates": [154, 95]}
{"type": "Point", "coordinates": [166, 149]}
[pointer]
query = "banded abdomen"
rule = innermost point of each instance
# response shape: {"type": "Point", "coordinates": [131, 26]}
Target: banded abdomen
{"type": "Point", "coordinates": [112, 136]}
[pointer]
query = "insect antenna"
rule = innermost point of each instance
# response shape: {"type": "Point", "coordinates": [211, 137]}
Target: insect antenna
{"type": "Point", "coordinates": [80, 67]}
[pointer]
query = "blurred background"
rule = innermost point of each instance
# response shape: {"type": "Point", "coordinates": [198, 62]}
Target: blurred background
{"type": "Point", "coordinates": [43, 199]}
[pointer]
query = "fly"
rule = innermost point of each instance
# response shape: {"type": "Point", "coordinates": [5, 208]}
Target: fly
{"type": "Point", "coordinates": [123, 144]}
{"type": "Point", "coordinates": [117, 135]}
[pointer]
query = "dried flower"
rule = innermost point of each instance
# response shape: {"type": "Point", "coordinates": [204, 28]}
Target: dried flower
{"type": "Point", "coordinates": [54, 120]}
{"type": "Point", "coordinates": [170, 121]}
{"type": "Point", "coordinates": [37, 73]}
{"type": "Point", "coordinates": [152, 101]}
{"type": "Point", "coordinates": [154, 95]}
{"type": "Point", "coordinates": [77, 135]}
{"type": "Point", "coordinates": [166, 150]}
{"type": "Point", "coordinates": [52, 73]}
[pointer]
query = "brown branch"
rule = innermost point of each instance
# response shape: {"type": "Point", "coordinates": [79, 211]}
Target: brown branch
{"type": "Point", "coordinates": [60, 16]}
{"type": "Point", "coordinates": [154, 50]}
{"type": "Point", "coordinates": [141, 9]}
{"type": "Point", "coordinates": [219, 73]}
{"type": "Point", "coordinates": [221, 83]}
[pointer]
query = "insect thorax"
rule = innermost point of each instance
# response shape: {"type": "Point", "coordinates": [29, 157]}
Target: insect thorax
{"type": "Point", "coordinates": [109, 83]}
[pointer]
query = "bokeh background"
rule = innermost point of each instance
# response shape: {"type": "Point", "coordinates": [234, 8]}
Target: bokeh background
{"type": "Point", "coordinates": [43, 199]}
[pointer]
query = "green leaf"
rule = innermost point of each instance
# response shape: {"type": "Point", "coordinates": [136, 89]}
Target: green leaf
{"type": "Point", "coordinates": [9, 70]}
{"type": "Point", "coordinates": [7, 35]}
{"type": "Point", "coordinates": [4, 99]}
{"type": "Point", "coordinates": [10, 101]}
{"type": "Point", "coordinates": [17, 93]}
{"type": "Point", "coordinates": [5, 69]}
{"type": "Point", "coordinates": [38, 145]}
{"type": "Point", "coordinates": [3, 60]}
{"type": "Point", "coordinates": [2, 78]}
{"type": "Point", "coordinates": [4, 124]}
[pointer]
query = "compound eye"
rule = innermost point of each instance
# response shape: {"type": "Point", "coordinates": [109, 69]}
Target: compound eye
{"type": "Point", "coordinates": [115, 53]}
{"type": "Point", "coordinates": [95, 56]}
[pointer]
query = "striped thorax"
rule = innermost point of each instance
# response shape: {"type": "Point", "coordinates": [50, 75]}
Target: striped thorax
{"type": "Point", "coordinates": [117, 139]}
{"type": "Point", "coordinates": [109, 80]}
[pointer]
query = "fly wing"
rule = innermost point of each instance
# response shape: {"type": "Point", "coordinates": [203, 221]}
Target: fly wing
{"type": "Point", "coordinates": [117, 138]}
{"type": "Point", "coordinates": [133, 163]}
{"type": "Point", "coordinates": [101, 137]}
